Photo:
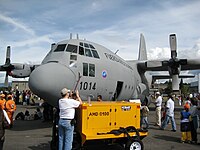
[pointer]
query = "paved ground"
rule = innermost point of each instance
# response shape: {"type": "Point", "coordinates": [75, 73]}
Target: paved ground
{"type": "Point", "coordinates": [36, 135]}
{"type": "Point", "coordinates": [28, 135]}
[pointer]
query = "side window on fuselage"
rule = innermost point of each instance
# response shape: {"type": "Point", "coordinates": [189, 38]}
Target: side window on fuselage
{"type": "Point", "coordinates": [85, 69]}
{"type": "Point", "coordinates": [88, 70]}
{"type": "Point", "coordinates": [91, 70]}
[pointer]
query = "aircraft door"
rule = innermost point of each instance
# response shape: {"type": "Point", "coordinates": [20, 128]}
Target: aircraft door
{"type": "Point", "coordinates": [118, 90]}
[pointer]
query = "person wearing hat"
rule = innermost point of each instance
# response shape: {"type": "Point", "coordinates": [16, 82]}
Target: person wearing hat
{"type": "Point", "coordinates": [158, 104]}
{"type": "Point", "coordinates": [10, 108]}
{"type": "Point", "coordinates": [67, 107]}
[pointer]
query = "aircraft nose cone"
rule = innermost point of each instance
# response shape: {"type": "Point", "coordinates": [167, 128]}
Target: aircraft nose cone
{"type": "Point", "coordinates": [49, 79]}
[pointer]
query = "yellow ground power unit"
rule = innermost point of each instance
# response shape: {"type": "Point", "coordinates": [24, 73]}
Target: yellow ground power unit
{"type": "Point", "coordinates": [110, 121]}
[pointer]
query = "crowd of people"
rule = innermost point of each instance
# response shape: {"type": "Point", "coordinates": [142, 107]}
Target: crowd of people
{"type": "Point", "coordinates": [8, 101]}
{"type": "Point", "coordinates": [37, 115]}
{"type": "Point", "coordinates": [165, 113]}
{"type": "Point", "coordinates": [69, 101]}
{"type": "Point", "coordinates": [25, 97]}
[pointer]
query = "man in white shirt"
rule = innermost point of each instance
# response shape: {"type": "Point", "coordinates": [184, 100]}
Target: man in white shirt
{"type": "Point", "coordinates": [67, 107]}
{"type": "Point", "coordinates": [169, 114]}
{"type": "Point", "coordinates": [158, 104]}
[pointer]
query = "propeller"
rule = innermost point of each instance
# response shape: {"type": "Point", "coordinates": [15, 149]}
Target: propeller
{"type": "Point", "coordinates": [16, 70]}
{"type": "Point", "coordinates": [174, 64]}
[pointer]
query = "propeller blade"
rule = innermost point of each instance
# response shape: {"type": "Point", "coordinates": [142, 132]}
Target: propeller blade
{"type": "Point", "coordinates": [7, 56]}
{"type": "Point", "coordinates": [173, 47]}
{"type": "Point", "coordinates": [8, 66]}
{"type": "Point", "coordinates": [175, 82]}
{"type": "Point", "coordinates": [6, 80]}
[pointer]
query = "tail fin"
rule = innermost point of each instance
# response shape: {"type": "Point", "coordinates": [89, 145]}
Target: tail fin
{"type": "Point", "coordinates": [142, 48]}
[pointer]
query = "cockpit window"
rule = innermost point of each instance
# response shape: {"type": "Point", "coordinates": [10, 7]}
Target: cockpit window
{"type": "Point", "coordinates": [91, 46]}
{"type": "Point", "coordinates": [88, 52]}
{"type": "Point", "coordinates": [60, 48]}
{"type": "Point", "coordinates": [81, 50]}
{"type": "Point", "coordinates": [71, 48]}
{"type": "Point", "coordinates": [86, 45]}
{"type": "Point", "coordinates": [95, 54]}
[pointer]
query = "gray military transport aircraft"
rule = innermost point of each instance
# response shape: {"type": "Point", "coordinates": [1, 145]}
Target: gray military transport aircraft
{"type": "Point", "coordinates": [94, 69]}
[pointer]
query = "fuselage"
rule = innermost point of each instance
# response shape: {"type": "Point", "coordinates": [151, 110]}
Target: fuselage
{"type": "Point", "coordinates": [88, 67]}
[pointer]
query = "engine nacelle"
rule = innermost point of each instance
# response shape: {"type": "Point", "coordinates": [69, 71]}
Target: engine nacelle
{"type": "Point", "coordinates": [20, 71]}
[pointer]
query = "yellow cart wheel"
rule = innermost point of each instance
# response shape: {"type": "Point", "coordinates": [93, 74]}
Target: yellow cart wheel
{"type": "Point", "coordinates": [134, 144]}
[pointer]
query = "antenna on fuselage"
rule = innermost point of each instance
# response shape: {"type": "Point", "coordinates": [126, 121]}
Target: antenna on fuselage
{"type": "Point", "coordinates": [70, 36]}
{"type": "Point", "coordinates": [77, 37]}
{"type": "Point", "coordinates": [117, 51]}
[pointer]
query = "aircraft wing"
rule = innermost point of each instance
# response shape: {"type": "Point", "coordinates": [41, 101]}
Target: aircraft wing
{"type": "Point", "coordinates": [2, 68]}
{"type": "Point", "coordinates": [168, 76]}
{"type": "Point", "coordinates": [192, 64]}
{"type": "Point", "coordinates": [173, 65]}
{"type": "Point", "coordinates": [163, 65]}
{"type": "Point", "coordinates": [152, 65]}
{"type": "Point", "coordinates": [16, 70]}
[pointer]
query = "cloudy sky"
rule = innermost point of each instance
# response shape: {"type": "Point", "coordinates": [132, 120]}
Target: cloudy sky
{"type": "Point", "coordinates": [30, 26]}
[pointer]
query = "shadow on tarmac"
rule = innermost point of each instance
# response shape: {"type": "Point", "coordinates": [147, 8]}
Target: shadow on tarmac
{"type": "Point", "coordinates": [45, 146]}
{"type": "Point", "coordinates": [104, 147]}
{"type": "Point", "coordinates": [167, 138]}
{"type": "Point", "coordinates": [41, 146]}
{"type": "Point", "coordinates": [23, 125]}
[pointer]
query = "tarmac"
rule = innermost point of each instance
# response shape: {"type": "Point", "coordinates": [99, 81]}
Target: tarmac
{"type": "Point", "coordinates": [36, 135]}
